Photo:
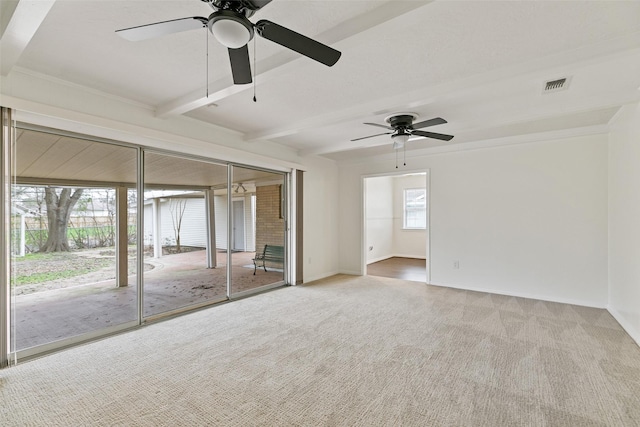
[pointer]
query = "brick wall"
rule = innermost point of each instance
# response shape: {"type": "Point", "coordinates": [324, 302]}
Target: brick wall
{"type": "Point", "coordinates": [269, 225]}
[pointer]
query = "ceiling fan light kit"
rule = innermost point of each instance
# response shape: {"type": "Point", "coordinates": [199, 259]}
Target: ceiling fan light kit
{"type": "Point", "coordinates": [400, 140]}
{"type": "Point", "coordinates": [230, 29]}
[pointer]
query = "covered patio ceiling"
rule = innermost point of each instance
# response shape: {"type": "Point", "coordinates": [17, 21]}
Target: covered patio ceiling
{"type": "Point", "coordinates": [45, 156]}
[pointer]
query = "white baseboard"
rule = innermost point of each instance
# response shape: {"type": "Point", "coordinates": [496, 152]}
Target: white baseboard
{"type": "Point", "coordinates": [409, 256]}
{"type": "Point", "coordinates": [350, 273]}
{"type": "Point", "coordinates": [382, 258]}
{"type": "Point", "coordinates": [525, 295]}
{"type": "Point", "coordinates": [628, 327]}
{"type": "Point", "coordinates": [320, 276]}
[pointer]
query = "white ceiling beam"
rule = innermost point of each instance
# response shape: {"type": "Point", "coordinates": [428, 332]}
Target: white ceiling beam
{"type": "Point", "coordinates": [608, 49]}
{"type": "Point", "coordinates": [277, 64]}
{"type": "Point", "coordinates": [25, 19]}
{"type": "Point", "coordinates": [222, 88]}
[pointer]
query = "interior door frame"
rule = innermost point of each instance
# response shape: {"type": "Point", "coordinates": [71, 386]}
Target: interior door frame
{"type": "Point", "coordinates": [363, 218]}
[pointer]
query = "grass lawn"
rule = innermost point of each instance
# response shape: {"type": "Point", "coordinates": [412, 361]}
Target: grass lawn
{"type": "Point", "coordinates": [45, 267]}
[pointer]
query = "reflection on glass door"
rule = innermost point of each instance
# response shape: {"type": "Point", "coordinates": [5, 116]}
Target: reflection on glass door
{"type": "Point", "coordinates": [73, 233]}
{"type": "Point", "coordinates": [258, 214]}
{"type": "Point", "coordinates": [185, 233]}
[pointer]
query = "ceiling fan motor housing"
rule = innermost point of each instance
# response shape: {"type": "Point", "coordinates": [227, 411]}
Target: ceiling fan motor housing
{"type": "Point", "coordinates": [401, 121]}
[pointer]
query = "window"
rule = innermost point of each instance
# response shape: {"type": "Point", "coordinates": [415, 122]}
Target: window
{"type": "Point", "coordinates": [415, 208]}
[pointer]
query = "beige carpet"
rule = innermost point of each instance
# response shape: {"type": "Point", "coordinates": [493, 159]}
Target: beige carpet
{"type": "Point", "coordinates": [362, 351]}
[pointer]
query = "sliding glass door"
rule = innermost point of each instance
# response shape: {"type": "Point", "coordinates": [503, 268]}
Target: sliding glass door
{"type": "Point", "coordinates": [258, 229]}
{"type": "Point", "coordinates": [103, 236]}
{"type": "Point", "coordinates": [73, 233]}
{"type": "Point", "coordinates": [185, 233]}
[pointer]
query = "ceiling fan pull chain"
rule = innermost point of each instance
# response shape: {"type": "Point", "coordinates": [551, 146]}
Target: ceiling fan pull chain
{"type": "Point", "coordinates": [254, 70]}
{"type": "Point", "coordinates": [396, 150]}
{"type": "Point", "coordinates": [206, 33]}
{"type": "Point", "coordinates": [404, 155]}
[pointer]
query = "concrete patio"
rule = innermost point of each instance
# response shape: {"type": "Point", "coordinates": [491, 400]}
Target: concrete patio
{"type": "Point", "coordinates": [176, 281]}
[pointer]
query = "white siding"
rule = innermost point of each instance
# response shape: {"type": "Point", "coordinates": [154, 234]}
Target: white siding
{"type": "Point", "coordinates": [193, 228]}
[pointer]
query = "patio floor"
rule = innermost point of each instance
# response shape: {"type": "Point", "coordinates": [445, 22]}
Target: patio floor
{"type": "Point", "coordinates": [176, 281]}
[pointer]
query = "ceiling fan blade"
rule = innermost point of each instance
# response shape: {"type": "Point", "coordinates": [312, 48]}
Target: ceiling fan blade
{"type": "Point", "coordinates": [240, 65]}
{"type": "Point", "coordinates": [371, 136]}
{"type": "Point", "coordinates": [149, 31]}
{"type": "Point", "coordinates": [441, 136]}
{"type": "Point", "coordinates": [380, 126]}
{"type": "Point", "coordinates": [431, 122]}
{"type": "Point", "coordinates": [296, 41]}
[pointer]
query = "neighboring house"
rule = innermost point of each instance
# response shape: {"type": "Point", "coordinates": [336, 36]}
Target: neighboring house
{"type": "Point", "coordinates": [193, 226]}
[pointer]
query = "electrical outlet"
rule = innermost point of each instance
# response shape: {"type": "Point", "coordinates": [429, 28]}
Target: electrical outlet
{"type": "Point", "coordinates": [456, 265]}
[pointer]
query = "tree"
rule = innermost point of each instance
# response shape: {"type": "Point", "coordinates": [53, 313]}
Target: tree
{"type": "Point", "coordinates": [59, 207]}
{"type": "Point", "coordinates": [177, 208]}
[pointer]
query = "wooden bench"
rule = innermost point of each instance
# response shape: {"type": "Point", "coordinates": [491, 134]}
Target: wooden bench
{"type": "Point", "coordinates": [270, 253]}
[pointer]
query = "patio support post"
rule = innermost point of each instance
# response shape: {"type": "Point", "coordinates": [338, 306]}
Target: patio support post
{"type": "Point", "coordinates": [122, 238]}
{"type": "Point", "coordinates": [212, 259]}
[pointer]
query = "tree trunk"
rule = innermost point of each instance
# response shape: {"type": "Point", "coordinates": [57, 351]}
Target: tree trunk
{"type": "Point", "coordinates": [58, 213]}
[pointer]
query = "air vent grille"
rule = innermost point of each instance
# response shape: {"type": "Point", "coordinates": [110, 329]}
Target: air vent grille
{"type": "Point", "coordinates": [556, 85]}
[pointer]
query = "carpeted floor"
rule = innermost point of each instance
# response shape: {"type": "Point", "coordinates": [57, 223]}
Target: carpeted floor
{"type": "Point", "coordinates": [363, 351]}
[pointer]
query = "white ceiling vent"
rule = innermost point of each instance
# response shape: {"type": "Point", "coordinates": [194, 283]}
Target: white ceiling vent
{"type": "Point", "coordinates": [556, 85]}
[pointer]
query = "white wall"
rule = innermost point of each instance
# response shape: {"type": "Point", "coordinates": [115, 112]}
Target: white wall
{"type": "Point", "coordinates": [527, 220]}
{"type": "Point", "coordinates": [407, 243]}
{"type": "Point", "coordinates": [624, 219]}
{"type": "Point", "coordinates": [379, 218]}
{"type": "Point", "coordinates": [320, 219]}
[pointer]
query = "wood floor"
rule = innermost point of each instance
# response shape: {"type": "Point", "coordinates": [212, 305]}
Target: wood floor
{"type": "Point", "coordinates": [400, 268]}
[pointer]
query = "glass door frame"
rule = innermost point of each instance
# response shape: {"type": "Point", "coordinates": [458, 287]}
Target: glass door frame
{"type": "Point", "coordinates": [38, 350]}
{"type": "Point", "coordinates": [8, 132]}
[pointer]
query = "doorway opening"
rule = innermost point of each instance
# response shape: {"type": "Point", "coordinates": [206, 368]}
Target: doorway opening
{"type": "Point", "coordinates": [396, 226]}
{"type": "Point", "coordinates": [238, 225]}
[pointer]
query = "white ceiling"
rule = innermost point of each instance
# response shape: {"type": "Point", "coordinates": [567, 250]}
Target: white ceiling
{"type": "Point", "coordinates": [481, 65]}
